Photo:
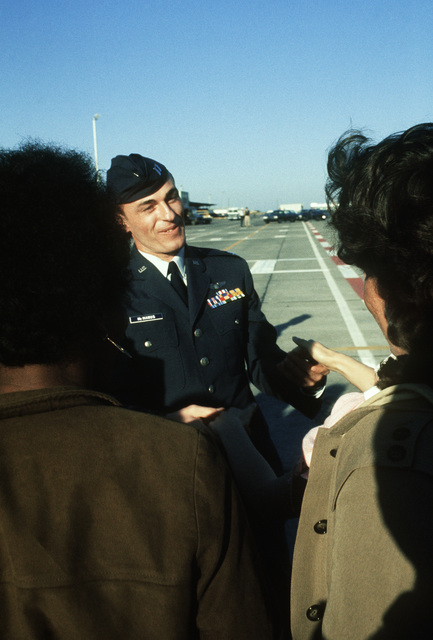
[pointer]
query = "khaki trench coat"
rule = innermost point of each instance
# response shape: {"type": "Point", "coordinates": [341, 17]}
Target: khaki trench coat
{"type": "Point", "coordinates": [363, 561]}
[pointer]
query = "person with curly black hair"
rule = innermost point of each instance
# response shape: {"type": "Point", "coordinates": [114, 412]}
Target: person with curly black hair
{"type": "Point", "coordinates": [114, 524]}
{"type": "Point", "coordinates": [57, 229]}
{"type": "Point", "coordinates": [363, 563]}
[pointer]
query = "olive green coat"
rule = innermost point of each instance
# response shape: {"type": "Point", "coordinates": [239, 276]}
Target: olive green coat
{"type": "Point", "coordinates": [363, 562]}
{"type": "Point", "coordinates": [118, 525]}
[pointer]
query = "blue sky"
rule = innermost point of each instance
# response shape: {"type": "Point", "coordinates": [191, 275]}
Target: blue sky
{"type": "Point", "coordinates": [240, 100]}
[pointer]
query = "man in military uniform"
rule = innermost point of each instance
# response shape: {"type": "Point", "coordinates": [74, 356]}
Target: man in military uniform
{"type": "Point", "coordinates": [195, 330]}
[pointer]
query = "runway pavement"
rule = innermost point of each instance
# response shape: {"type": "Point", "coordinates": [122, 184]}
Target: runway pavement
{"type": "Point", "coordinates": [306, 291]}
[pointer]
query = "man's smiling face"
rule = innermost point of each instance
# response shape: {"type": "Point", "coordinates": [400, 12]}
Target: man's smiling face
{"type": "Point", "coordinates": [156, 222]}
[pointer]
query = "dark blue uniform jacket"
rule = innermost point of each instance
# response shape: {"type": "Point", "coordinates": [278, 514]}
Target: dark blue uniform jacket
{"type": "Point", "coordinates": [205, 353]}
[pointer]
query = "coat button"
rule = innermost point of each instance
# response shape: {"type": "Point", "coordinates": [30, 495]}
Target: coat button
{"type": "Point", "coordinates": [204, 361]}
{"type": "Point", "coordinates": [198, 333]}
{"type": "Point", "coordinates": [211, 388]}
{"type": "Point", "coordinates": [148, 343]}
{"type": "Point", "coordinates": [321, 526]}
{"type": "Point", "coordinates": [396, 453]}
{"type": "Point", "coordinates": [333, 452]}
{"type": "Point", "coordinates": [402, 433]}
{"type": "Point", "coordinates": [237, 321]}
{"type": "Point", "coordinates": [315, 613]}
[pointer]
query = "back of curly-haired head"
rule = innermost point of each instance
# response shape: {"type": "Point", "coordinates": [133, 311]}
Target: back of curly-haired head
{"type": "Point", "coordinates": [62, 255]}
{"type": "Point", "coordinates": [383, 199]}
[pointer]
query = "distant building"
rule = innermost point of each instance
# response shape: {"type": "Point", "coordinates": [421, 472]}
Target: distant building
{"type": "Point", "coordinates": [188, 204]}
{"type": "Point", "coordinates": [317, 205]}
{"type": "Point", "coordinates": [297, 207]}
{"type": "Point", "coordinates": [184, 196]}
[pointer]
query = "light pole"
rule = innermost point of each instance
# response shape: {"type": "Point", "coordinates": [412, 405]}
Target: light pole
{"type": "Point", "coordinates": [95, 146]}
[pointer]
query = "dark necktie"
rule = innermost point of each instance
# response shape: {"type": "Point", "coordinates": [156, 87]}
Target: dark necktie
{"type": "Point", "coordinates": [177, 281]}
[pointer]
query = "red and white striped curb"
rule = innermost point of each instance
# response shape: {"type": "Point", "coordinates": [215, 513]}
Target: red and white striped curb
{"type": "Point", "coordinates": [355, 281]}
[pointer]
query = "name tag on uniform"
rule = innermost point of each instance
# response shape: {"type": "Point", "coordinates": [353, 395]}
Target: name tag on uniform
{"type": "Point", "coordinates": [150, 318]}
{"type": "Point", "coordinates": [224, 296]}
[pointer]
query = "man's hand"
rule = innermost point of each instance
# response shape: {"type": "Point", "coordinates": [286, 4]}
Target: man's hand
{"type": "Point", "coordinates": [357, 373]}
{"type": "Point", "coordinates": [318, 352]}
{"type": "Point", "coordinates": [300, 368]}
{"type": "Point", "coordinates": [195, 414]}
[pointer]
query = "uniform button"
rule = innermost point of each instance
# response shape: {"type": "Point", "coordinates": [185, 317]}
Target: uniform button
{"type": "Point", "coordinates": [402, 433]}
{"type": "Point", "coordinates": [315, 613]}
{"type": "Point", "coordinates": [396, 453]}
{"type": "Point", "coordinates": [198, 333]}
{"type": "Point", "coordinates": [204, 361]}
{"type": "Point", "coordinates": [148, 343]}
{"type": "Point", "coordinates": [237, 321]}
{"type": "Point", "coordinates": [211, 388]}
{"type": "Point", "coordinates": [321, 526]}
{"type": "Point", "coordinates": [333, 452]}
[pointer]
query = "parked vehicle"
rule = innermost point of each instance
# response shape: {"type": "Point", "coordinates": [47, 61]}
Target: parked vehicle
{"type": "Point", "coordinates": [188, 216]}
{"type": "Point", "coordinates": [235, 213]}
{"type": "Point", "coordinates": [218, 213]}
{"type": "Point", "coordinates": [305, 214]}
{"type": "Point", "coordinates": [287, 216]}
{"type": "Point", "coordinates": [271, 216]}
{"type": "Point", "coordinates": [319, 214]}
{"type": "Point", "coordinates": [280, 215]}
{"type": "Point", "coordinates": [197, 216]}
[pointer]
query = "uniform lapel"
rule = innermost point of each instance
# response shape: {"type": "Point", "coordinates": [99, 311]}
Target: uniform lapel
{"type": "Point", "coordinates": [198, 282]}
{"type": "Point", "coordinates": [153, 282]}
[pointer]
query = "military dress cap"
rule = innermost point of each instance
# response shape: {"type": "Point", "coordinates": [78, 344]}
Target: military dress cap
{"type": "Point", "coordinates": [133, 177]}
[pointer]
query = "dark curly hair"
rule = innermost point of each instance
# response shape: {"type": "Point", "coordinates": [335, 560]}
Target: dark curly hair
{"type": "Point", "coordinates": [63, 255]}
{"type": "Point", "coordinates": [381, 202]}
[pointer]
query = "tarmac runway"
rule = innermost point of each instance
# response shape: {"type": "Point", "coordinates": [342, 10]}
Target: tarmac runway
{"type": "Point", "coordinates": [306, 291]}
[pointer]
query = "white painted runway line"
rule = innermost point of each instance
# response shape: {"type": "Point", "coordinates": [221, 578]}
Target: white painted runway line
{"type": "Point", "coordinates": [284, 260]}
{"type": "Point", "coordinates": [268, 266]}
{"type": "Point", "coordinates": [263, 266]}
{"type": "Point", "coordinates": [347, 271]}
{"type": "Point", "coordinates": [352, 326]}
